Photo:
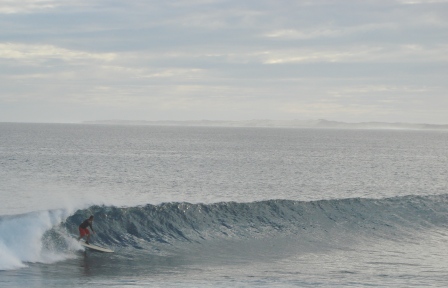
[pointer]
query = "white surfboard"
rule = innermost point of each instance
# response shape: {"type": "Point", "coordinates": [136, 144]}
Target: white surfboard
{"type": "Point", "coordinates": [96, 248]}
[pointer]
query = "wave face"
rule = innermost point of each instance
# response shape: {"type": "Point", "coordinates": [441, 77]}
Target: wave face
{"type": "Point", "coordinates": [49, 236]}
{"type": "Point", "coordinates": [177, 223]}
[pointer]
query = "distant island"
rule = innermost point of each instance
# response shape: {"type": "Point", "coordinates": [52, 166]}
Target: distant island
{"type": "Point", "coordinates": [321, 123]}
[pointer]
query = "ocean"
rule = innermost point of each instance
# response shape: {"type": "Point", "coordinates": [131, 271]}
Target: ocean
{"type": "Point", "coordinates": [223, 207]}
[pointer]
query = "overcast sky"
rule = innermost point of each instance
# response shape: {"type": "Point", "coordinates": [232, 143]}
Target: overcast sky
{"type": "Point", "coordinates": [353, 61]}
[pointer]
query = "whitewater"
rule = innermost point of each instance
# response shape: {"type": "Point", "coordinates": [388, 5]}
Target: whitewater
{"type": "Point", "coordinates": [223, 207]}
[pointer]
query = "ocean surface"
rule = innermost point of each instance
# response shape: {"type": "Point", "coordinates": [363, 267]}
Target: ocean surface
{"type": "Point", "coordinates": [223, 207]}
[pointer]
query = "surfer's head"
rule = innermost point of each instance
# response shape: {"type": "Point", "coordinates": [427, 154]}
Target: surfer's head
{"type": "Point", "coordinates": [91, 218]}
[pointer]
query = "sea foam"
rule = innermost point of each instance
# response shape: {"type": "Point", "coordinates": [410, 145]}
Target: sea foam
{"type": "Point", "coordinates": [22, 241]}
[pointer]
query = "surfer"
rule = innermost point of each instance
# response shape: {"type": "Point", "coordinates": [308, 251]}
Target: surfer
{"type": "Point", "coordinates": [83, 231]}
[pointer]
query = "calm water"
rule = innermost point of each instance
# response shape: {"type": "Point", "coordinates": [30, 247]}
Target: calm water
{"type": "Point", "coordinates": [223, 207]}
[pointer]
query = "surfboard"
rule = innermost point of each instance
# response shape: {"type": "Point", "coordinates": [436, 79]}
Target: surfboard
{"type": "Point", "coordinates": [96, 248]}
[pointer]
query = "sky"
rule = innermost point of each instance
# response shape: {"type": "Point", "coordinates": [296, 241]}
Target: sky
{"type": "Point", "coordinates": [351, 61]}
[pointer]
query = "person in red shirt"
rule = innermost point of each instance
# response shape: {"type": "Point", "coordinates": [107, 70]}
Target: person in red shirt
{"type": "Point", "coordinates": [83, 231]}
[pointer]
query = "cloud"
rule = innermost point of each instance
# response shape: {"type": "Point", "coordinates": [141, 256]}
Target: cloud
{"type": "Point", "coordinates": [37, 53]}
{"type": "Point", "coordinates": [328, 31]}
{"type": "Point", "coordinates": [360, 54]}
{"type": "Point", "coordinates": [25, 6]}
{"type": "Point", "coordinates": [413, 2]}
{"type": "Point", "coordinates": [385, 88]}
{"type": "Point", "coordinates": [45, 6]}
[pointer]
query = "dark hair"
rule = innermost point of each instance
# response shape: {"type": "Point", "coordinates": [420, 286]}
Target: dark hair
{"type": "Point", "coordinates": [91, 217]}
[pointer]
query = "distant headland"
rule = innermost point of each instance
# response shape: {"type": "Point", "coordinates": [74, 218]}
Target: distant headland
{"type": "Point", "coordinates": [321, 123]}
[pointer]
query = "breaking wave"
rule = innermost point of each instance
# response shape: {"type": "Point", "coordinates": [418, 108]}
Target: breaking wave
{"type": "Point", "coordinates": [48, 236]}
{"type": "Point", "coordinates": [22, 239]}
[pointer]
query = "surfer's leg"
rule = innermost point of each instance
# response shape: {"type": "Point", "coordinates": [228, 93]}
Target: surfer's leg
{"type": "Point", "coordinates": [88, 236]}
